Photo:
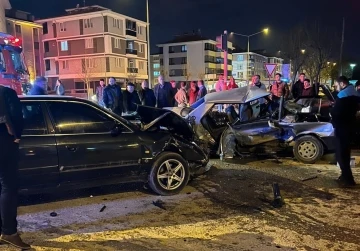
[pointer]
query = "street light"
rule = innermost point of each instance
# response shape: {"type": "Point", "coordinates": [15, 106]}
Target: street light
{"type": "Point", "coordinates": [266, 31]}
{"type": "Point", "coordinates": [303, 51]}
{"type": "Point", "coordinates": [352, 68]}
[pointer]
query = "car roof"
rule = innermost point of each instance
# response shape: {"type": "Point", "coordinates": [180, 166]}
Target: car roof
{"type": "Point", "coordinates": [236, 96]}
{"type": "Point", "coordinates": [50, 97]}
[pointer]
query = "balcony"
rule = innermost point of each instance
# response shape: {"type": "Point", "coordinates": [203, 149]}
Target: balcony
{"type": "Point", "coordinates": [131, 51]}
{"type": "Point", "coordinates": [132, 70]}
{"type": "Point", "coordinates": [130, 32]}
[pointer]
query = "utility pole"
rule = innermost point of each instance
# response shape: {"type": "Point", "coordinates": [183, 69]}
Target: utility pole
{"type": "Point", "coordinates": [148, 42]}
{"type": "Point", "coordinates": [342, 46]}
{"type": "Point", "coordinates": [225, 49]}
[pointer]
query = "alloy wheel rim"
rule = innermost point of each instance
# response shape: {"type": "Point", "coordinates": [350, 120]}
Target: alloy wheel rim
{"type": "Point", "coordinates": [171, 174]}
{"type": "Point", "coordinates": [307, 150]}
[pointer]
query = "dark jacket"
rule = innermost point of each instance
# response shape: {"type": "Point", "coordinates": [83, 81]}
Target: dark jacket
{"type": "Point", "coordinates": [113, 98]}
{"type": "Point", "coordinates": [173, 94]}
{"type": "Point", "coordinates": [309, 92]}
{"type": "Point", "coordinates": [147, 97]}
{"type": "Point", "coordinates": [344, 112]}
{"type": "Point", "coordinates": [60, 90]}
{"type": "Point", "coordinates": [297, 89]}
{"type": "Point", "coordinates": [37, 90]}
{"type": "Point", "coordinates": [11, 112]}
{"type": "Point", "coordinates": [167, 101]}
{"type": "Point", "coordinates": [201, 93]}
{"type": "Point", "coordinates": [131, 100]}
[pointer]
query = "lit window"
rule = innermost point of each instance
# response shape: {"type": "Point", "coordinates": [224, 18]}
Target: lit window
{"type": "Point", "coordinates": [183, 48]}
{"type": "Point", "coordinates": [140, 30]}
{"type": "Point", "coordinates": [90, 63]}
{"type": "Point", "coordinates": [62, 27]}
{"type": "Point", "coordinates": [156, 65]}
{"type": "Point", "coordinates": [89, 43]}
{"type": "Point", "coordinates": [64, 46]}
{"type": "Point", "coordinates": [156, 73]}
{"type": "Point", "coordinates": [141, 65]}
{"type": "Point", "coordinates": [88, 23]}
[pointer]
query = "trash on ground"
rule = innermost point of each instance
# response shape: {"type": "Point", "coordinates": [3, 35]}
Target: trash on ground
{"type": "Point", "coordinates": [53, 214]}
{"type": "Point", "coordinates": [102, 209]}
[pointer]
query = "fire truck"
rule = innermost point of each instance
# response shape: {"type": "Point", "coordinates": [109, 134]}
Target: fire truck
{"type": "Point", "coordinates": [13, 71]}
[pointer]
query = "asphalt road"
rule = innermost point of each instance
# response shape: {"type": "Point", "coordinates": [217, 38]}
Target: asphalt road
{"type": "Point", "coordinates": [228, 208]}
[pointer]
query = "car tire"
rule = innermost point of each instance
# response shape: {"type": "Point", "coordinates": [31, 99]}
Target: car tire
{"type": "Point", "coordinates": [169, 167]}
{"type": "Point", "coordinates": [308, 149]}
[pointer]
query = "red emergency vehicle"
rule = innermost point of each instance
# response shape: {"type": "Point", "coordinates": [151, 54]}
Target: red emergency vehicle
{"type": "Point", "coordinates": [13, 71]}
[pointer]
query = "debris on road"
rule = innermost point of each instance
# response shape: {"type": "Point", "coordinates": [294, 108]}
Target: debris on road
{"type": "Point", "coordinates": [159, 204]}
{"type": "Point", "coordinates": [53, 214]}
{"type": "Point", "coordinates": [310, 178]}
{"type": "Point", "coordinates": [278, 201]}
{"type": "Point", "coordinates": [102, 209]}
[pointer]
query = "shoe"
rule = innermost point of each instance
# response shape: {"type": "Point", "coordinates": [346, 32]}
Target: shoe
{"type": "Point", "coordinates": [348, 182]}
{"type": "Point", "coordinates": [15, 241]}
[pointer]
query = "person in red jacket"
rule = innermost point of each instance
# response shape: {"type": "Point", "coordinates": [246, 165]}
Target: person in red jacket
{"type": "Point", "coordinates": [193, 92]}
{"type": "Point", "coordinates": [232, 84]}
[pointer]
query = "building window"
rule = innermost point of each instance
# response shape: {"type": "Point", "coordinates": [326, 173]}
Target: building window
{"type": "Point", "coordinates": [240, 58]}
{"type": "Point", "coordinates": [36, 45]}
{"type": "Point", "coordinates": [17, 28]}
{"type": "Point", "coordinates": [171, 49]}
{"type": "Point", "coordinates": [62, 27]}
{"type": "Point", "coordinates": [184, 60]}
{"type": "Point", "coordinates": [156, 73]}
{"type": "Point", "coordinates": [64, 46]}
{"type": "Point", "coordinates": [131, 63]}
{"type": "Point", "coordinates": [161, 61]}
{"type": "Point", "coordinates": [142, 48]}
{"type": "Point", "coordinates": [183, 48]}
{"type": "Point", "coordinates": [35, 32]}
{"type": "Point", "coordinates": [88, 23]}
{"type": "Point", "coordinates": [89, 43]}
{"type": "Point", "coordinates": [118, 62]}
{"type": "Point", "coordinates": [46, 46]}
{"type": "Point", "coordinates": [117, 43]}
{"type": "Point", "coordinates": [65, 64]}
{"type": "Point", "coordinates": [45, 28]}
{"type": "Point", "coordinates": [141, 65]}
{"type": "Point", "coordinates": [156, 66]}
{"type": "Point", "coordinates": [90, 63]}
{"type": "Point", "coordinates": [139, 30]}
{"type": "Point", "coordinates": [47, 65]}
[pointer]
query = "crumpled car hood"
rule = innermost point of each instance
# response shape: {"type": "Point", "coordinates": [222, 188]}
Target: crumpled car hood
{"type": "Point", "coordinates": [164, 118]}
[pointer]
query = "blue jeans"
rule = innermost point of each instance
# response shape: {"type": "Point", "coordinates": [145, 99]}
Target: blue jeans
{"type": "Point", "coordinates": [8, 182]}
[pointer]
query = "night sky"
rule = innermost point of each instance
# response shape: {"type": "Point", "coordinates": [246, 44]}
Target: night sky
{"type": "Point", "coordinates": [174, 17]}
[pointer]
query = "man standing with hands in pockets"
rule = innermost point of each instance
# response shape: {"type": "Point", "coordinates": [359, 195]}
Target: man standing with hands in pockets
{"type": "Point", "coordinates": [11, 126]}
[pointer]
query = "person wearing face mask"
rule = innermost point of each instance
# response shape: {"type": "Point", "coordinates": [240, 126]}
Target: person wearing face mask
{"type": "Point", "coordinates": [146, 95]}
{"type": "Point", "coordinates": [343, 120]}
{"type": "Point", "coordinates": [131, 99]}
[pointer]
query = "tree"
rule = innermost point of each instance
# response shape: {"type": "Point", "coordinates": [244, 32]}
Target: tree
{"type": "Point", "coordinates": [201, 75]}
{"type": "Point", "coordinates": [186, 72]}
{"type": "Point", "coordinates": [164, 72]}
{"type": "Point", "coordinates": [87, 72]}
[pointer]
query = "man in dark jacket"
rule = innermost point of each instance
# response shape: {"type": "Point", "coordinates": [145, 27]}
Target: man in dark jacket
{"type": "Point", "coordinates": [146, 95]}
{"type": "Point", "coordinates": [343, 120]}
{"type": "Point", "coordinates": [112, 97]}
{"type": "Point", "coordinates": [39, 87]}
{"type": "Point", "coordinates": [131, 98]}
{"type": "Point", "coordinates": [163, 93]}
{"type": "Point", "coordinates": [298, 87]}
{"type": "Point", "coordinates": [11, 126]}
{"type": "Point", "coordinates": [202, 90]}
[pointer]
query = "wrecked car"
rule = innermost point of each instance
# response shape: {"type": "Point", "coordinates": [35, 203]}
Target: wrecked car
{"type": "Point", "coordinates": [73, 143]}
{"type": "Point", "coordinates": [256, 128]}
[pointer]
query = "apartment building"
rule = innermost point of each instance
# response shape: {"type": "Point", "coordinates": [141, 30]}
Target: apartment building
{"type": "Point", "coordinates": [244, 68]}
{"type": "Point", "coordinates": [191, 57]}
{"type": "Point", "coordinates": [93, 42]}
{"type": "Point", "coordinates": [21, 25]}
{"type": "Point", "coordinates": [155, 68]}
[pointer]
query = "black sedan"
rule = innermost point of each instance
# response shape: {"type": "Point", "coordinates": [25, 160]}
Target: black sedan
{"type": "Point", "coordinates": [73, 143]}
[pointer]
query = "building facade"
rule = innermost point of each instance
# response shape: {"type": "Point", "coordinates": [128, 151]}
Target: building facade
{"type": "Point", "coordinates": [189, 58]}
{"type": "Point", "coordinates": [21, 24]}
{"type": "Point", "coordinates": [155, 68]}
{"type": "Point", "coordinates": [244, 68]}
{"type": "Point", "coordinates": [91, 43]}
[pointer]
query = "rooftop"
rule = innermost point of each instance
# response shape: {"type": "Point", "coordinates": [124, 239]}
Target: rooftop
{"type": "Point", "coordinates": [187, 37]}
{"type": "Point", "coordinates": [84, 10]}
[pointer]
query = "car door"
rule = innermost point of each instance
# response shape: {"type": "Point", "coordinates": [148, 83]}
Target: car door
{"type": "Point", "coordinates": [86, 148]}
{"type": "Point", "coordinates": [38, 160]}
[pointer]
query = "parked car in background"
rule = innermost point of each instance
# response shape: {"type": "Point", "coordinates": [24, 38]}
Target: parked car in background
{"type": "Point", "coordinates": [72, 143]}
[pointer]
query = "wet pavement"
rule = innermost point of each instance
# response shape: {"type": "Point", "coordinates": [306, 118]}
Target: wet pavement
{"type": "Point", "coordinates": [228, 208]}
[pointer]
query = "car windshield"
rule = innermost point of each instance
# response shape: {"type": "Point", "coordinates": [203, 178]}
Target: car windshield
{"type": "Point", "coordinates": [17, 59]}
{"type": "Point", "coordinates": [2, 63]}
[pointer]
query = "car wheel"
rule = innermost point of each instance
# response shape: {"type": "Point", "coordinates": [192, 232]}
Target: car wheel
{"type": "Point", "coordinates": [308, 149]}
{"type": "Point", "coordinates": [169, 174]}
